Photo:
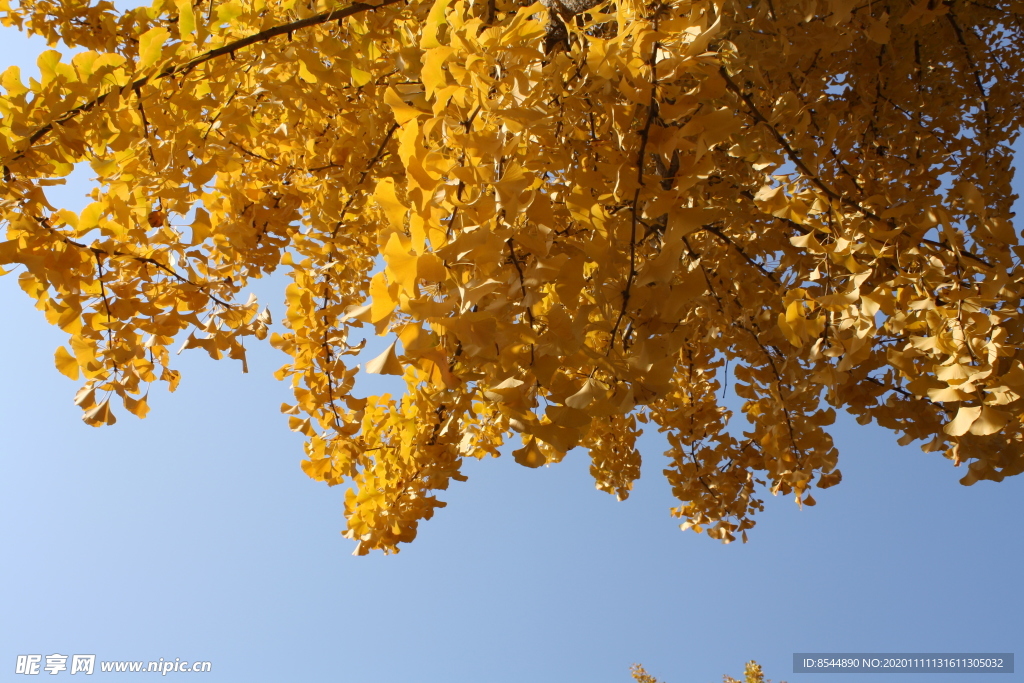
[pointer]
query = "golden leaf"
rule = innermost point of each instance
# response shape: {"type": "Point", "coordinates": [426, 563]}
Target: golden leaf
{"type": "Point", "coordinates": [99, 414]}
{"type": "Point", "coordinates": [386, 363]}
{"type": "Point", "coordinates": [138, 407]}
{"type": "Point", "coordinates": [574, 237]}
{"type": "Point", "coordinates": [66, 363]}
{"type": "Point", "coordinates": [151, 45]}
{"type": "Point", "coordinates": [529, 455]}
{"type": "Point", "coordinates": [186, 18]}
{"type": "Point", "coordinates": [991, 421]}
{"type": "Point", "coordinates": [961, 424]}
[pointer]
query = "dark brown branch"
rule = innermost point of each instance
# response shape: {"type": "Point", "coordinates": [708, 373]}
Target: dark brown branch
{"type": "Point", "coordinates": [522, 282]}
{"type": "Point", "coordinates": [362, 176]}
{"type": "Point", "coordinates": [983, 96]}
{"type": "Point", "coordinates": [380, 153]}
{"type": "Point", "coordinates": [141, 259]}
{"type": "Point", "coordinates": [325, 345]}
{"type": "Point", "coordinates": [931, 243]}
{"type": "Point", "coordinates": [97, 254]}
{"type": "Point", "coordinates": [645, 132]}
{"type": "Point", "coordinates": [145, 125]}
{"type": "Point", "coordinates": [229, 49]}
{"type": "Point", "coordinates": [794, 156]}
{"type": "Point", "coordinates": [908, 395]}
{"type": "Point", "coordinates": [254, 155]}
{"type": "Point", "coordinates": [718, 233]}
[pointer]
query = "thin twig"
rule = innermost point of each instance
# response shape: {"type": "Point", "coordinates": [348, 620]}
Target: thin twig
{"type": "Point", "coordinates": [229, 49]}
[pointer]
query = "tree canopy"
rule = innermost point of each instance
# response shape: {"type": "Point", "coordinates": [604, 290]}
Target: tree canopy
{"type": "Point", "coordinates": [574, 220]}
{"type": "Point", "coordinates": [752, 674]}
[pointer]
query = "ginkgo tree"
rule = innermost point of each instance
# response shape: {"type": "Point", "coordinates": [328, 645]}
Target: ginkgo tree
{"type": "Point", "coordinates": [752, 674]}
{"type": "Point", "coordinates": [572, 221]}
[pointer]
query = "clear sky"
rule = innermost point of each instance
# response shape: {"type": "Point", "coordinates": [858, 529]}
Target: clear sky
{"type": "Point", "coordinates": [193, 534]}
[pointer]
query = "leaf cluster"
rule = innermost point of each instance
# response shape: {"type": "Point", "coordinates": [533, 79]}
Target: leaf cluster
{"type": "Point", "coordinates": [570, 234]}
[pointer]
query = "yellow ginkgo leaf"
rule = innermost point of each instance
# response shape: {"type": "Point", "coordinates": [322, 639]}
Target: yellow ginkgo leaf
{"type": "Point", "coordinates": [66, 363]}
{"type": "Point", "coordinates": [186, 18]}
{"type": "Point", "coordinates": [386, 363]}
{"type": "Point", "coordinates": [435, 19]}
{"type": "Point", "coordinates": [99, 414]}
{"type": "Point", "coordinates": [529, 455]}
{"type": "Point", "coordinates": [403, 112]}
{"type": "Point", "coordinates": [401, 264]}
{"type": "Point", "coordinates": [990, 421]}
{"type": "Point", "coordinates": [138, 407]}
{"type": "Point", "coordinates": [151, 44]}
{"type": "Point", "coordinates": [961, 424]}
{"type": "Point", "coordinates": [590, 390]}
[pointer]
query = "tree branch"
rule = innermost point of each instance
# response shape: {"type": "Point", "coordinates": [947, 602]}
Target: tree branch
{"type": "Point", "coordinates": [229, 49]}
{"type": "Point", "coordinates": [141, 259]}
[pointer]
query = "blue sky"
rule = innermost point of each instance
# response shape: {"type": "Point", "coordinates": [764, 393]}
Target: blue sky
{"type": "Point", "coordinates": [194, 534]}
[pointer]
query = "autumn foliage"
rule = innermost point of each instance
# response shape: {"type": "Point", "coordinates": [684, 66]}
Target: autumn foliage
{"type": "Point", "coordinates": [752, 674]}
{"type": "Point", "coordinates": [571, 220]}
